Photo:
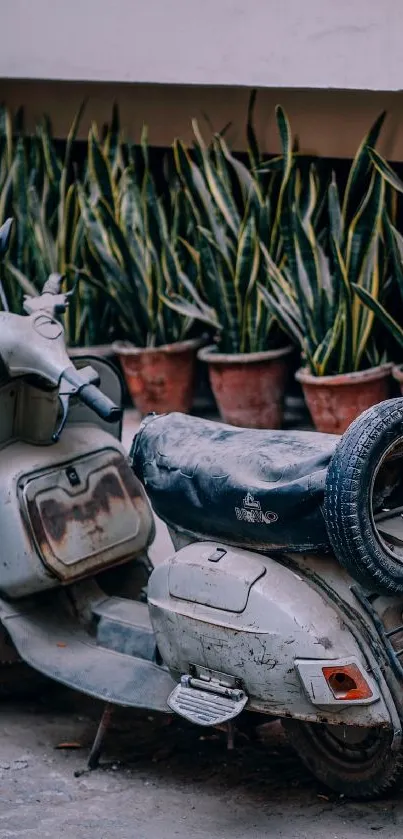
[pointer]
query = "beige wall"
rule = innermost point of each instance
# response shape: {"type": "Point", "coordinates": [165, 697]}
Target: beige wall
{"type": "Point", "coordinates": [338, 44]}
{"type": "Point", "coordinates": [331, 123]}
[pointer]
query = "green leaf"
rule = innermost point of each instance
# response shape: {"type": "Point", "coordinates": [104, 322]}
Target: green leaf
{"type": "Point", "coordinates": [100, 170]}
{"type": "Point", "coordinates": [385, 170]}
{"type": "Point", "coordinates": [44, 241]}
{"type": "Point", "coordinates": [191, 310]}
{"type": "Point", "coordinates": [308, 277]}
{"type": "Point", "coordinates": [364, 226]}
{"type": "Point", "coordinates": [246, 274]}
{"type": "Point", "coordinates": [52, 163]}
{"type": "Point", "coordinates": [249, 187]}
{"type": "Point", "coordinates": [67, 231]}
{"type": "Point", "coordinates": [327, 347]}
{"type": "Point", "coordinates": [253, 148]}
{"type": "Point", "coordinates": [27, 286]}
{"type": "Point", "coordinates": [335, 216]}
{"type": "Point", "coordinates": [198, 193]}
{"type": "Point", "coordinates": [376, 307]}
{"type": "Point", "coordinates": [220, 194]}
{"type": "Point", "coordinates": [359, 170]}
{"type": "Point", "coordinates": [64, 179]}
{"type": "Point", "coordinates": [283, 221]}
{"type": "Point", "coordinates": [6, 137]}
{"type": "Point", "coordinates": [394, 241]}
{"type": "Point", "coordinates": [368, 280]}
{"type": "Point", "coordinates": [342, 299]}
{"type": "Point", "coordinates": [280, 309]}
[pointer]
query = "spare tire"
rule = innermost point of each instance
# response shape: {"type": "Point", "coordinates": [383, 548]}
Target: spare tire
{"type": "Point", "coordinates": [364, 498]}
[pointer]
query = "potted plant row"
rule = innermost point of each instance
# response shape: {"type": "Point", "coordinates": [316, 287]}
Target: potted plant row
{"type": "Point", "coordinates": [248, 364]}
{"type": "Point", "coordinates": [320, 296]}
{"type": "Point", "coordinates": [260, 259]}
{"type": "Point", "coordinates": [38, 188]}
{"type": "Point", "coordinates": [309, 260]}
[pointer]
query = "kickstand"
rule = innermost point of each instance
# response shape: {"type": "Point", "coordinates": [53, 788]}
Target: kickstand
{"type": "Point", "coordinates": [95, 753]}
{"type": "Point", "coordinates": [230, 736]}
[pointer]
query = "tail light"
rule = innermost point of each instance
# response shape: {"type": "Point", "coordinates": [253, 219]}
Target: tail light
{"type": "Point", "coordinates": [347, 683]}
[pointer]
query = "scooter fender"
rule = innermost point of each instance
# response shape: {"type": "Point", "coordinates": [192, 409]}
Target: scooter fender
{"type": "Point", "coordinates": [223, 613]}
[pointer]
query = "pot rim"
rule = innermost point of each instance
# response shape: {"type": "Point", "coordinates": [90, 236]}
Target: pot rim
{"type": "Point", "coordinates": [381, 371]}
{"type": "Point", "coordinates": [91, 349]}
{"type": "Point", "coordinates": [126, 348]}
{"type": "Point", "coordinates": [211, 356]}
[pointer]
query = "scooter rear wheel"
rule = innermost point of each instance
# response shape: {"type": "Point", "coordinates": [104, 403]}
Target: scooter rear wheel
{"type": "Point", "coordinates": [355, 762]}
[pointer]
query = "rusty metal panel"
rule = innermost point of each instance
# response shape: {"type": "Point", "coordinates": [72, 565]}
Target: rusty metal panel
{"type": "Point", "coordinates": [23, 570]}
{"type": "Point", "coordinates": [85, 515]}
{"type": "Point", "coordinates": [285, 620]}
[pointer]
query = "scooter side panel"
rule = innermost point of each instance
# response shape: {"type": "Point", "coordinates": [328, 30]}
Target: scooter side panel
{"type": "Point", "coordinates": [285, 620]}
{"type": "Point", "coordinates": [37, 550]}
{"type": "Point", "coordinates": [52, 641]}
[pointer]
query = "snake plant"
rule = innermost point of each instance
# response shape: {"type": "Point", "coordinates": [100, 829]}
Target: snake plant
{"type": "Point", "coordinates": [49, 227]}
{"type": "Point", "coordinates": [234, 210]}
{"type": "Point", "coordinates": [132, 252]}
{"type": "Point", "coordinates": [394, 245]}
{"type": "Point", "coordinates": [13, 203]}
{"type": "Point", "coordinates": [318, 294]}
{"type": "Point", "coordinates": [41, 192]}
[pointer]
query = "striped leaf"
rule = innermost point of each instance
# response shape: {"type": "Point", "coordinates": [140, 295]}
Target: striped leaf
{"type": "Point", "coordinates": [100, 170]}
{"type": "Point", "coordinates": [221, 195]}
{"type": "Point", "coordinates": [385, 170]}
{"type": "Point", "coordinates": [364, 226]}
{"type": "Point", "coordinates": [376, 307]}
{"type": "Point", "coordinates": [359, 170]}
{"type": "Point", "coordinates": [335, 214]}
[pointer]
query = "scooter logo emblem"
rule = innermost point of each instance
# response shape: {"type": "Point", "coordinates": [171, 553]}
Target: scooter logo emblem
{"type": "Point", "coordinates": [252, 512]}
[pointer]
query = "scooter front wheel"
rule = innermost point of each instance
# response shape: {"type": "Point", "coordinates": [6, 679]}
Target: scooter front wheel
{"type": "Point", "coordinates": [355, 762]}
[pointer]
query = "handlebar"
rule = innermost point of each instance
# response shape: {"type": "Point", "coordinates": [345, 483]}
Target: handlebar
{"type": "Point", "coordinates": [35, 345]}
{"type": "Point", "coordinates": [92, 396]}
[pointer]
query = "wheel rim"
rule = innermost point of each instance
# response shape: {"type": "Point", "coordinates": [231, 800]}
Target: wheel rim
{"type": "Point", "coordinates": [386, 497]}
{"type": "Point", "coordinates": [350, 747]}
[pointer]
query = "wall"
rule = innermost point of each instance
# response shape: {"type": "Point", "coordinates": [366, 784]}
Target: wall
{"type": "Point", "coordinates": [263, 43]}
{"type": "Point", "coordinates": [331, 123]}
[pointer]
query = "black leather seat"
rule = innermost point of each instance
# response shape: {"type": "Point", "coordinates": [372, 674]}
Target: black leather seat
{"type": "Point", "coordinates": [257, 489]}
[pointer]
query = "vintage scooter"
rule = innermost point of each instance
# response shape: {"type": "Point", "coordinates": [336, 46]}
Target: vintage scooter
{"type": "Point", "coordinates": [252, 612]}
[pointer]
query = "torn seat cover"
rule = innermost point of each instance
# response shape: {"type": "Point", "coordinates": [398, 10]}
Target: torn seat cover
{"type": "Point", "coordinates": [252, 488]}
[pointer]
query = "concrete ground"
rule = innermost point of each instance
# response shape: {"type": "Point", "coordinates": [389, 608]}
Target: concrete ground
{"type": "Point", "coordinates": [160, 778]}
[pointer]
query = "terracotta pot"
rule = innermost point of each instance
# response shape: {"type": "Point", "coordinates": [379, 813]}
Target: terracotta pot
{"type": "Point", "coordinates": [160, 379]}
{"type": "Point", "coordinates": [397, 373]}
{"type": "Point", "coordinates": [249, 388]}
{"type": "Point", "coordinates": [335, 401]}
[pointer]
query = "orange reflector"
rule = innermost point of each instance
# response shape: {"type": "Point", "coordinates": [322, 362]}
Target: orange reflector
{"type": "Point", "coordinates": [347, 682]}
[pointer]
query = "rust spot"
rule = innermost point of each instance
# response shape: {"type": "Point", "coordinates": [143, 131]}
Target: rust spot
{"type": "Point", "coordinates": [55, 516]}
{"type": "Point", "coordinates": [49, 519]}
{"type": "Point", "coordinates": [325, 642]}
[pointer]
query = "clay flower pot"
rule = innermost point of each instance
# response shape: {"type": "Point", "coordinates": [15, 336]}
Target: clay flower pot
{"type": "Point", "coordinates": [397, 373]}
{"type": "Point", "coordinates": [249, 388]}
{"type": "Point", "coordinates": [335, 401]}
{"type": "Point", "coordinates": [159, 379]}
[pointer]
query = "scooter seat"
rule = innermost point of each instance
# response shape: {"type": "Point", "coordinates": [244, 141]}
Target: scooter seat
{"type": "Point", "coordinates": [260, 489]}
